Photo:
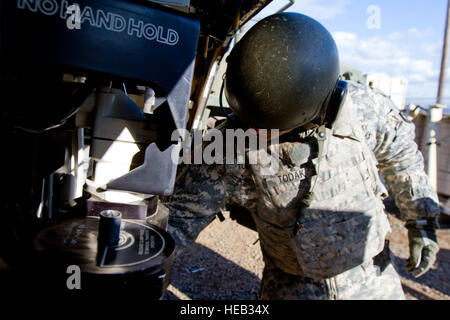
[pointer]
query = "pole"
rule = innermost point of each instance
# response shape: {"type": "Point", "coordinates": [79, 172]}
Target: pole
{"type": "Point", "coordinates": [435, 112]}
{"type": "Point", "coordinates": [444, 58]}
{"type": "Point", "coordinates": [292, 2]}
{"type": "Point", "coordinates": [434, 116]}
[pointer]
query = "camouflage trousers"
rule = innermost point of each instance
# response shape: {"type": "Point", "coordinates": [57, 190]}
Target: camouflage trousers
{"type": "Point", "coordinates": [373, 280]}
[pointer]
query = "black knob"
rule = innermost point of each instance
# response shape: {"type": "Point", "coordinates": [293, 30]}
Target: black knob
{"type": "Point", "coordinates": [109, 227]}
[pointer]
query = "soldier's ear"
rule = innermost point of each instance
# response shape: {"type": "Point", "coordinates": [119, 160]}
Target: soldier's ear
{"type": "Point", "coordinates": [335, 102]}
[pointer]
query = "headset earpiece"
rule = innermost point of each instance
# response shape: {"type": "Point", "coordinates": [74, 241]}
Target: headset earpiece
{"type": "Point", "coordinates": [336, 100]}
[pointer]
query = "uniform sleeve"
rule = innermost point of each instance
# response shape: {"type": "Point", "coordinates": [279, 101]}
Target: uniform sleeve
{"type": "Point", "coordinates": [400, 162]}
{"type": "Point", "coordinates": [199, 194]}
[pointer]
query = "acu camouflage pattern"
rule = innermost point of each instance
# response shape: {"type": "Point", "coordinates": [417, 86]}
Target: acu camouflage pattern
{"type": "Point", "coordinates": [199, 195]}
{"type": "Point", "coordinates": [345, 224]}
{"type": "Point", "coordinates": [391, 137]}
{"type": "Point", "coordinates": [332, 256]}
{"type": "Point", "coordinates": [374, 280]}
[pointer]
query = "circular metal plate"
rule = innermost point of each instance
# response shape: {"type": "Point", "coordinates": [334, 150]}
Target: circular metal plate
{"type": "Point", "coordinates": [74, 242]}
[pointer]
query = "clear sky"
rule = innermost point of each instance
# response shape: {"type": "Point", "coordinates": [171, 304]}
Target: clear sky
{"type": "Point", "coordinates": [406, 41]}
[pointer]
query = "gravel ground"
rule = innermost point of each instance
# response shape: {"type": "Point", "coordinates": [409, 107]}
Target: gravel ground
{"type": "Point", "coordinates": [225, 263]}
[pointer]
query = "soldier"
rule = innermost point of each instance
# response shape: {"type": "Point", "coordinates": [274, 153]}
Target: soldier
{"type": "Point", "coordinates": [320, 216]}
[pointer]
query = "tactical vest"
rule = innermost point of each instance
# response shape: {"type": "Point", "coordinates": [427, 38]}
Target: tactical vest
{"type": "Point", "coordinates": [345, 224]}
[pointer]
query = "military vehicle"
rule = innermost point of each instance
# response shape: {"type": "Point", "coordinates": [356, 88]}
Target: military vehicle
{"type": "Point", "coordinates": [91, 93]}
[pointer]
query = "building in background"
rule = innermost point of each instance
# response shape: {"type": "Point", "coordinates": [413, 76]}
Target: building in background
{"type": "Point", "coordinates": [349, 72]}
{"type": "Point", "coordinates": [394, 88]}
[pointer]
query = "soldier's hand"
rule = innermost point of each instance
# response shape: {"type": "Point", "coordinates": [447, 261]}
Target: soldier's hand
{"type": "Point", "coordinates": [423, 246]}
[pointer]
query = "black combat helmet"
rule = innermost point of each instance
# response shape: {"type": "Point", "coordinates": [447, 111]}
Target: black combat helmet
{"type": "Point", "coordinates": [282, 73]}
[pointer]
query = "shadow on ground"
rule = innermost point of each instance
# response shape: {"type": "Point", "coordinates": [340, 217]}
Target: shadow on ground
{"type": "Point", "coordinates": [436, 278]}
{"type": "Point", "coordinates": [436, 281]}
{"type": "Point", "coordinates": [211, 277]}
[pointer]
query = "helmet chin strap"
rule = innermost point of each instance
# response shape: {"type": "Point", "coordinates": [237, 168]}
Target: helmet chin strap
{"type": "Point", "coordinates": [326, 119]}
{"type": "Point", "coordinates": [320, 135]}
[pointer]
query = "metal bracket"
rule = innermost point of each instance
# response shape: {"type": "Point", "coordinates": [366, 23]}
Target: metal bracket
{"type": "Point", "coordinates": [155, 176]}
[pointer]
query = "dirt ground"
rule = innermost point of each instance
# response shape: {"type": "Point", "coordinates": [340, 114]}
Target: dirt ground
{"type": "Point", "coordinates": [226, 263]}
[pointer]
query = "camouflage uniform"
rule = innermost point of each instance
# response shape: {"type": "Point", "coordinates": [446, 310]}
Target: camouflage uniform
{"type": "Point", "coordinates": [340, 253]}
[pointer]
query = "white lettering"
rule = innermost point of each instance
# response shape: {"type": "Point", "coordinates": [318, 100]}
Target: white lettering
{"type": "Point", "coordinates": [228, 309]}
{"type": "Point", "coordinates": [74, 280]}
{"type": "Point", "coordinates": [161, 38]}
{"type": "Point", "coordinates": [88, 14]}
{"type": "Point", "coordinates": [215, 147]}
{"type": "Point", "coordinates": [236, 149]}
{"type": "Point", "coordinates": [240, 144]}
{"type": "Point", "coordinates": [198, 143]}
{"type": "Point", "coordinates": [75, 16]}
{"type": "Point", "coordinates": [265, 311]}
{"type": "Point", "coordinates": [374, 21]}
{"type": "Point", "coordinates": [119, 23]}
{"type": "Point", "coordinates": [149, 31]}
{"type": "Point", "coordinates": [135, 28]}
{"type": "Point", "coordinates": [172, 37]}
{"type": "Point", "coordinates": [74, 20]}
{"type": "Point", "coordinates": [181, 136]}
{"type": "Point", "coordinates": [63, 9]}
{"type": "Point", "coordinates": [30, 4]}
{"type": "Point", "coordinates": [197, 310]}
{"type": "Point", "coordinates": [104, 21]}
{"type": "Point", "coordinates": [48, 7]}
